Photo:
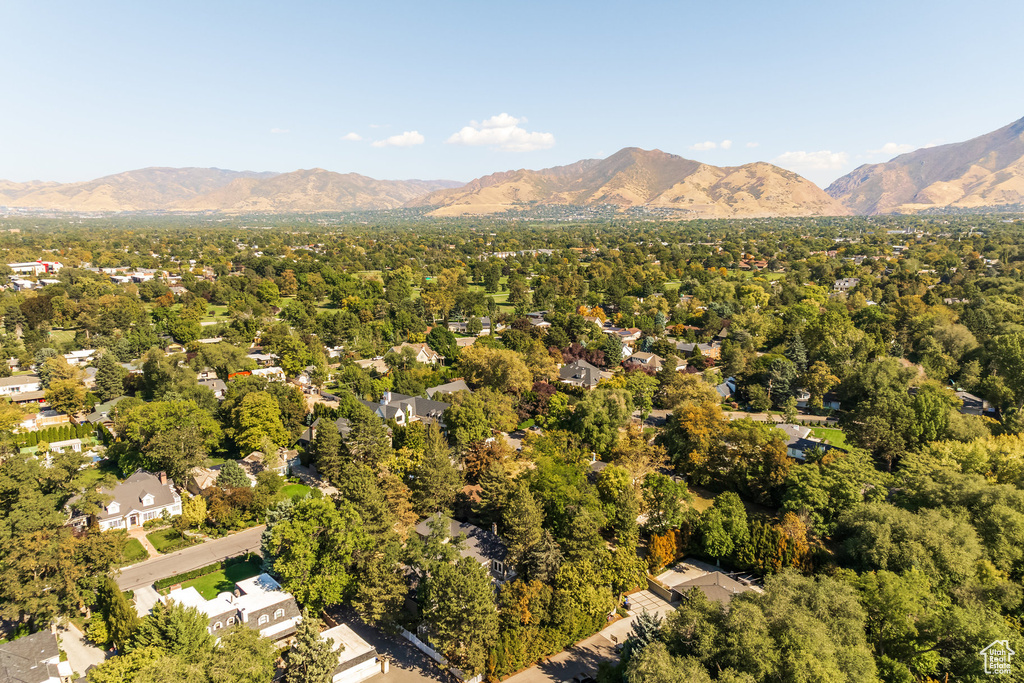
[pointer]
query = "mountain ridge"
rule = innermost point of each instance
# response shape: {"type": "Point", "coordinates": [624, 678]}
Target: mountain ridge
{"type": "Point", "coordinates": [634, 177]}
{"type": "Point", "coordinates": [986, 171]}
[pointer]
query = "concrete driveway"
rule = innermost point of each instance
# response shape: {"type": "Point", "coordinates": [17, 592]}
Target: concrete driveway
{"type": "Point", "coordinates": [408, 665]}
{"type": "Point", "coordinates": [82, 655]}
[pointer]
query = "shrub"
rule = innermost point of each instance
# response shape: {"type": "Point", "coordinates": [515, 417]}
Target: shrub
{"type": "Point", "coordinates": [97, 631]}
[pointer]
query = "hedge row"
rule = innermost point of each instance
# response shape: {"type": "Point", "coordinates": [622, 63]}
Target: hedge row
{"type": "Point", "coordinates": [161, 584]}
{"type": "Point", "coordinates": [53, 434]}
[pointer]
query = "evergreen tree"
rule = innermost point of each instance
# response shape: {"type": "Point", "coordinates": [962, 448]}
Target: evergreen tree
{"type": "Point", "coordinates": [437, 482]}
{"type": "Point", "coordinates": [798, 354]}
{"type": "Point", "coordinates": [122, 619]}
{"type": "Point", "coordinates": [460, 613]}
{"type": "Point", "coordinates": [232, 476]}
{"type": "Point", "coordinates": [109, 378]}
{"type": "Point", "coordinates": [324, 451]}
{"type": "Point", "coordinates": [523, 520]}
{"type": "Point", "coordinates": [310, 659]}
{"type": "Point", "coordinates": [369, 441]}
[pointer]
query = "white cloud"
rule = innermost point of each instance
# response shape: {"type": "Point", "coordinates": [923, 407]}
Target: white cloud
{"type": "Point", "coordinates": [406, 139]}
{"type": "Point", "coordinates": [502, 132]}
{"type": "Point", "coordinates": [891, 149]}
{"type": "Point", "coordinates": [279, 131]}
{"type": "Point", "coordinates": [726, 144]}
{"type": "Point", "coordinates": [824, 160]}
{"type": "Point", "coordinates": [703, 146]}
{"type": "Point", "coordinates": [352, 137]}
{"type": "Point", "coordinates": [752, 145]}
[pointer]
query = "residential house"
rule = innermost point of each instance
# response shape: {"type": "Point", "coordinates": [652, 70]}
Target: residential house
{"type": "Point", "coordinates": [271, 374]}
{"type": "Point", "coordinates": [799, 441]}
{"type": "Point", "coordinates": [20, 384]}
{"type": "Point", "coordinates": [727, 388]}
{"type": "Point", "coordinates": [101, 412]}
{"type": "Point", "coordinates": [424, 354]}
{"type": "Point", "coordinates": [206, 373]}
{"type": "Point", "coordinates": [462, 327]}
{"type": "Point", "coordinates": [405, 409]}
{"type": "Point", "coordinates": [217, 386]}
{"type": "Point", "coordinates": [378, 365]}
{"type": "Point", "coordinates": [972, 405]}
{"type": "Point", "coordinates": [449, 388]}
{"type": "Point", "coordinates": [357, 659]}
{"type": "Point", "coordinates": [715, 586]}
{"type": "Point", "coordinates": [258, 603]}
{"type": "Point", "coordinates": [846, 284]}
{"type": "Point", "coordinates": [80, 358]}
{"type": "Point", "coordinates": [42, 420]}
{"type": "Point", "coordinates": [579, 373]}
{"type": "Point", "coordinates": [33, 658]}
{"type": "Point", "coordinates": [486, 547]}
{"type": "Point", "coordinates": [341, 425]}
{"type": "Point", "coordinates": [256, 462]}
{"type": "Point", "coordinates": [201, 478]}
{"type": "Point", "coordinates": [645, 361]}
{"type": "Point", "coordinates": [74, 445]}
{"type": "Point", "coordinates": [138, 499]}
{"type": "Point", "coordinates": [625, 335]}
{"type": "Point", "coordinates": [712, 350]}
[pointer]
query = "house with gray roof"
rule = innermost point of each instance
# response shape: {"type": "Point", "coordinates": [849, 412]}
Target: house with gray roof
{"type": "Point", "coordinates": [138, 499]}
{"type": "Point", "coordinates": [799, 441]}
{"type": "Point", "coordinates": [486, 547]}
{"type": "Point", "coordinates": [715, 586]}
{"type": "Point", "coordinates": [33, 658]}
{"type": "Point", "coordinates": [20, 384]}
{"type": "Point", "coordinates": [341, 425]}
{"type": "Point", "coordinates": [579, 373]}
{"type": "Point", "coordinates": [449, 388]}
{"type": "Point", "coordinates": [405, 409]}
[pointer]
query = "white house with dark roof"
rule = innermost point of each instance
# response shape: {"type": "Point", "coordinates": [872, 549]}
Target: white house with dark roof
{"type": "Point", "coordinates": [138, 499]}
{"type": "Point", "coordinates": [405, 409]}
{"type": "Point", "coordinates": [424, 354]}
{"type": "Point", "coordinates": [258, 603]}
{"type": "Point", "coordinates": [357, 659]}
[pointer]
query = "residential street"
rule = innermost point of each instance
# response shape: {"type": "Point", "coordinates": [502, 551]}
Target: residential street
{"type": "Point", "coordinates": [145, 573]}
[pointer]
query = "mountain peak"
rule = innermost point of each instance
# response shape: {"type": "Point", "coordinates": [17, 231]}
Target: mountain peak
{"type": "Point", "coordinates": [635, 177]}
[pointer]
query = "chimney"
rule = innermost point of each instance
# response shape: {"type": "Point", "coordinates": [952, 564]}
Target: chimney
{"type": "Point", "coordinates": [385, 398]}
{"type": "Point", "coordinates": [163, 478]}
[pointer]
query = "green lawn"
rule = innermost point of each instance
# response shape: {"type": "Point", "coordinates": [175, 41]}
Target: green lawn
{"type": "Point", "coordinates": [90, 476]}
{"type": "Point", "coordinates": [62, 336]}
{"type": "Point", "coordinates": [294, 490]}
{"type": "Point", "coordinates": [834, 437]}
{"type": "Point", "coordinates": [167, 540]}
{"type": "Point", "coordinates": [134, 552]}
{"type": "Point", "coordinates": [223, 581]}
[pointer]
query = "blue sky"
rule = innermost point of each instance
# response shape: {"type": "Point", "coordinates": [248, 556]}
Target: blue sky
{"type": "Point", "coordinates": [460, 89]}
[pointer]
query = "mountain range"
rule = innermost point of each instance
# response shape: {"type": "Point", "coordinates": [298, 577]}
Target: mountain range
{"type": "Point", "coordinates": [982, 173]}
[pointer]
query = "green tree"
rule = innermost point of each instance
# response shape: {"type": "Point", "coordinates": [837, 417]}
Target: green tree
{"type": "Point", "coordinates": [523, 524]}
{"type": "Point", "coordinates": [666, 502]}
{"type": "Point", "coordinates": [109, 377]}
{"type": "Point", "coordinates": [599, 416]}
{"type": "Point", "coordinates": [256, 422]}
{"type": "Point", "coordinates": [715, 538]}
{"type": "Point", "coordinates": [311, 658]}
{"type": "Point", "coordinates": [436, 482]}
{"type": "Point", "coordinates": [310, 546]}
{"type": "Point", "coordinates": [173, 436]}
{"type": "Point", "coordinates": [66, 396]}
{"type": "Point", "coordinates": [232, 476]}
{"type": "Point", "coordinates": [460, 613]}
{"type": "Point", "coordinates": [242, 656]}
{"type": "Point", "coordinates": [174, 629]}
{"type": "Point", "coordinates": [121, 618]}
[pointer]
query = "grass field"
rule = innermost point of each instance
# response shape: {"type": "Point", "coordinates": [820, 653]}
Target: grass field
{"type": "Point", "coordinates": [90, 476]}
{"type": "Point", "coordinates": [294, 490]}
{"type": "Point", "coordinates": [223, 581]}
{"type": "Point", "coordinates": [134, 552]}
{"type": "Point", "coordinates": [834, 437]}
{"type": "Point", "coordinates": [62, 336]}
{"type": "Point", "coordinates": [167, 540]}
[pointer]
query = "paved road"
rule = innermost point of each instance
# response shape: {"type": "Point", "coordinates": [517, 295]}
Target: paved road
{"type": "Point", "coordinates": [145, 573]}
